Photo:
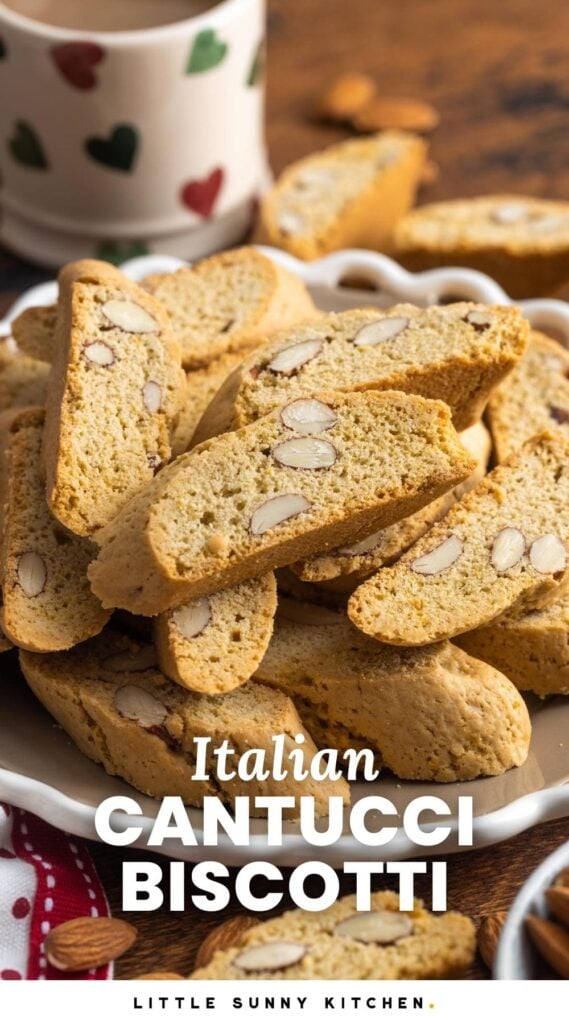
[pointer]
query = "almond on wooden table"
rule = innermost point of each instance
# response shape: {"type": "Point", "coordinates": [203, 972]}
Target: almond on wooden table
{"type": "Point", "coordinates": [345, 95]}
{"type": "Point", "coordinates": [489, 936]}
{"type": "Point", "coordinates": [224, 936]}
{"type": "Point", "coordinates": [552, 941]}
{"type": "Point", "coordinates": [402, 113]}
{"type": "Point", "coordinates": [87, 942]}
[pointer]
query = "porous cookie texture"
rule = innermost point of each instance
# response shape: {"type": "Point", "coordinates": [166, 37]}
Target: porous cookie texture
{"type": "Point", "coordinates": [34, 332]}
{"type": "Point", "coordinates": [532, 649]}
{"type": "Point", "coordinates": [457, 353]}
{"type": "Point", "coordinates": [504, 545]}
{"type": "Point", "coordinates": [520, 241]}
{"type": "Point", "coordinates": [23, 382]}
{"type": "Point", "coordinates": [115, 387]}
{"type": "Point", "coordinates": [340, 943]}
{"type": "Point", "coordinates": [121, 711]}
{"type": "Point", "coordinates": [365, 555]}
{"type": "Point", "coordinates": [430, 713]}
{"type": "Point", "coordinates": [534, 398]}
{"type": "Point", "coordinates": [351, 194]}
{"type": "Point", "coordinates": [229, 302]}
{"type": "Point", "coordinates": [199, 389]}
{"type": "Point", "coordinates": [48, 604]}
{"type": "Point", "coordinates": [276, 491]}
{"type": "Point", "coordinates": [215, 643]}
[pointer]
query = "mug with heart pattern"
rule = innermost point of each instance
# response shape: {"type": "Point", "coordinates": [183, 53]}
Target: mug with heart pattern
{"type": "Point", "coordinates": [115, 144]}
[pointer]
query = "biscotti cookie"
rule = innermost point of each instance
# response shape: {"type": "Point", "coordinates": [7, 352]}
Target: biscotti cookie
{"type": "Point", "coordinates": [301, 479]}
{"type": "Point", "coordinates": [351, 194]}
{"type": "Point", "coordinates": [34, 332]}
{"type": "Point", "coordinates": [359, 559]}
{"type": "Point", "coordinates": [215, 643]}
{"type": "Point", "coordinates": [535, 397]}
{"type": "Point", "coordinates": [122, 712]}
{"type": "Point", "coordinates": [521, 242]}
{"type": "Point", "coordinates": [47, 602]}
{"type": "Point", "coordinates": [23, 382]}
{"type": "Point", "coordinates": [504, 545]}
{"type": "Point", "coordinates": [532, 649]}
{"type": "Point", "coordinates": [340, 943]}
{"type": "Point", "coordinates": [229, 302]}
{"type": "Point", "coordinates": [115, 387]}
{"type": "Point", "coordinates": [457, 353]}
{"type": "Point", "coordinates": [432, 713]}
{"type": "Point", "coordinates": [199, 389]}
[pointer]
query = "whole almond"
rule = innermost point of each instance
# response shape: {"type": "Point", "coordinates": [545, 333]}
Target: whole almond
{"type": "Point", "coordinates": [224, 936]}
{"type": "Point", "coordinates": [345, 95]}
{"type": "Point", "coordinates": [489, 935]}
{"type": "Point", "coordinates": [159, 976]}
{"type": "Point", "coordinates": [88, 942]}
{"type": "Point", "coordinates": [402, 113]}
{"type": "Point", "coordinates": [552, 941]}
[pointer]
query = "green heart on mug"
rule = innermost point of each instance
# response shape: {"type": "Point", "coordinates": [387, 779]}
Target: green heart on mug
{"type": "Point", "coordinates": [207, 52]}
{"type": "Point", "coordinates": [118, 150]}
{"type": "Point", "coordinates": [257, 65]}
{"type": "Point", "coordinates": [26, 147]}
{"type": "Point", "coordinates": [118, 252]}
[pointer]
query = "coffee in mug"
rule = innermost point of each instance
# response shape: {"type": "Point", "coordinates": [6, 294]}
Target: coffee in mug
{"type": "Point", "coordinates": [108, 15]}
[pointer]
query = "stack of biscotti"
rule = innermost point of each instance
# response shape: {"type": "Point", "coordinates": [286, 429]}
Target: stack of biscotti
{"type": "Point", "coordinates": [381, 943]}
{"type": "Point", "coordinates": [457, 353]}
{"type": "Point", "coordinates": [351, 194]}
{"type": "Point", "coordinates": [520, 241]}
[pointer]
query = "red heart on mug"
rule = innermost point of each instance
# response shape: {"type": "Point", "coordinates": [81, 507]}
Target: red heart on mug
{"type": "Point", "coordinates": [200, 196]}
{"type": "Point", "coordinates": [76, 62]}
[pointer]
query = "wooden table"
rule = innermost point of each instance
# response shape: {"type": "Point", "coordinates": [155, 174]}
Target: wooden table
{"type": "Point", "coordinates": [497, 73]}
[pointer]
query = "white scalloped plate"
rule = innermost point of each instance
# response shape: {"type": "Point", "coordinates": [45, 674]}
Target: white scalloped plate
{"type": "Point", "coordinates": [42, 771]}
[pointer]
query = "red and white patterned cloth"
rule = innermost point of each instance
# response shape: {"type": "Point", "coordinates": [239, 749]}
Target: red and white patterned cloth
{"type": "Point", "coordinates": [46, 877]}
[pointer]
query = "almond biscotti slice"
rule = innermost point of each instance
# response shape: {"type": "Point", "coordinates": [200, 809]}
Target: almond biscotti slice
{"type": "Point", "coordinates": [432, 713]}
{"type": "Point", "coordinates": [115, 387]}
{"type": "Point", "coordinates": [531, 648]}
{"type": "Point", "coordinates": [340, 943]}
{"type": "Point", "coordinates": [303, 478]}
{"type": "Point", "coordinates": [229, 303]}
{"type": "Point", "coordinates": [121, 711]}
{"type": "Point", "coordinates": [535, 397]}
{"type": "Point", "coordinates": [520, 241]}
{"type": "Point", "coordinates": [457, 353]}
{"type": "Point", "coordinates": [215, 643]}
{"type": "Point", "coordinates": [47, 602]}
{"type": "Point", "coordinates": [350, 194]}
{"type": "Point", "coordinates": [357, 560]}
{"type": "Point", "coordinates": [23, 382]}
{"type": "Point", "coordinates": [199, 389]}
{"type": "Point", "coordinates": [34, 332]}
{"type": "Point", "coordinates": [504, 545]}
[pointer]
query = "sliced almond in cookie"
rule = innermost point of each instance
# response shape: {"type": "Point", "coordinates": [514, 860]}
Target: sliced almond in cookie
{"type": "Point", "coordinates": [277, 510]}
{"type": "Point", "coordinates": [362, 547]}
{"type": "Point", "coordinates": [378, 926]}
{"type": "Point", "coordinates": [305, 453]}
{"type": "Point", "coordinates": [140, 706]}
{"type": "Point", "coordinates": [192, 619]}
{"type": "Point", "coordinates": [508, 548]}
{"type": "Point", "coordinates": [129, 316]}
{"type": "Point", "coordinates": [479, 320]}
{"type": "Point", "coordinates": [548, 554]}
{"type": "Point", "coordinates": [440, 558]}
{"type": "Point", "coordinates": [271, 956]}
{"type": "Point", "coordinates": [32, 573]}
{"type": "Point", "coordinates": [152, 396]}
{"type": "Point", "coordinates": [308, 416]}
{"type": "Point", "coordinates": [381, 330]}
{"type": "Point", "coordinates": [99, 353]}
{"type": "Point", "coordinates": [510, 213]}
{"type": "Point", "coordinates": [292, 358]}
{"type": "Point", "coordinates": [290, 222]}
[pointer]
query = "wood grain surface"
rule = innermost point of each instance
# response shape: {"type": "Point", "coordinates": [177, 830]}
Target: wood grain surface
{"type": "Point", "coordinates": [497, 73]}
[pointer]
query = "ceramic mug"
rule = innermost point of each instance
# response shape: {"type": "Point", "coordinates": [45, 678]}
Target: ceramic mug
{"type": "Point", "coordinates": [117, 144]}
